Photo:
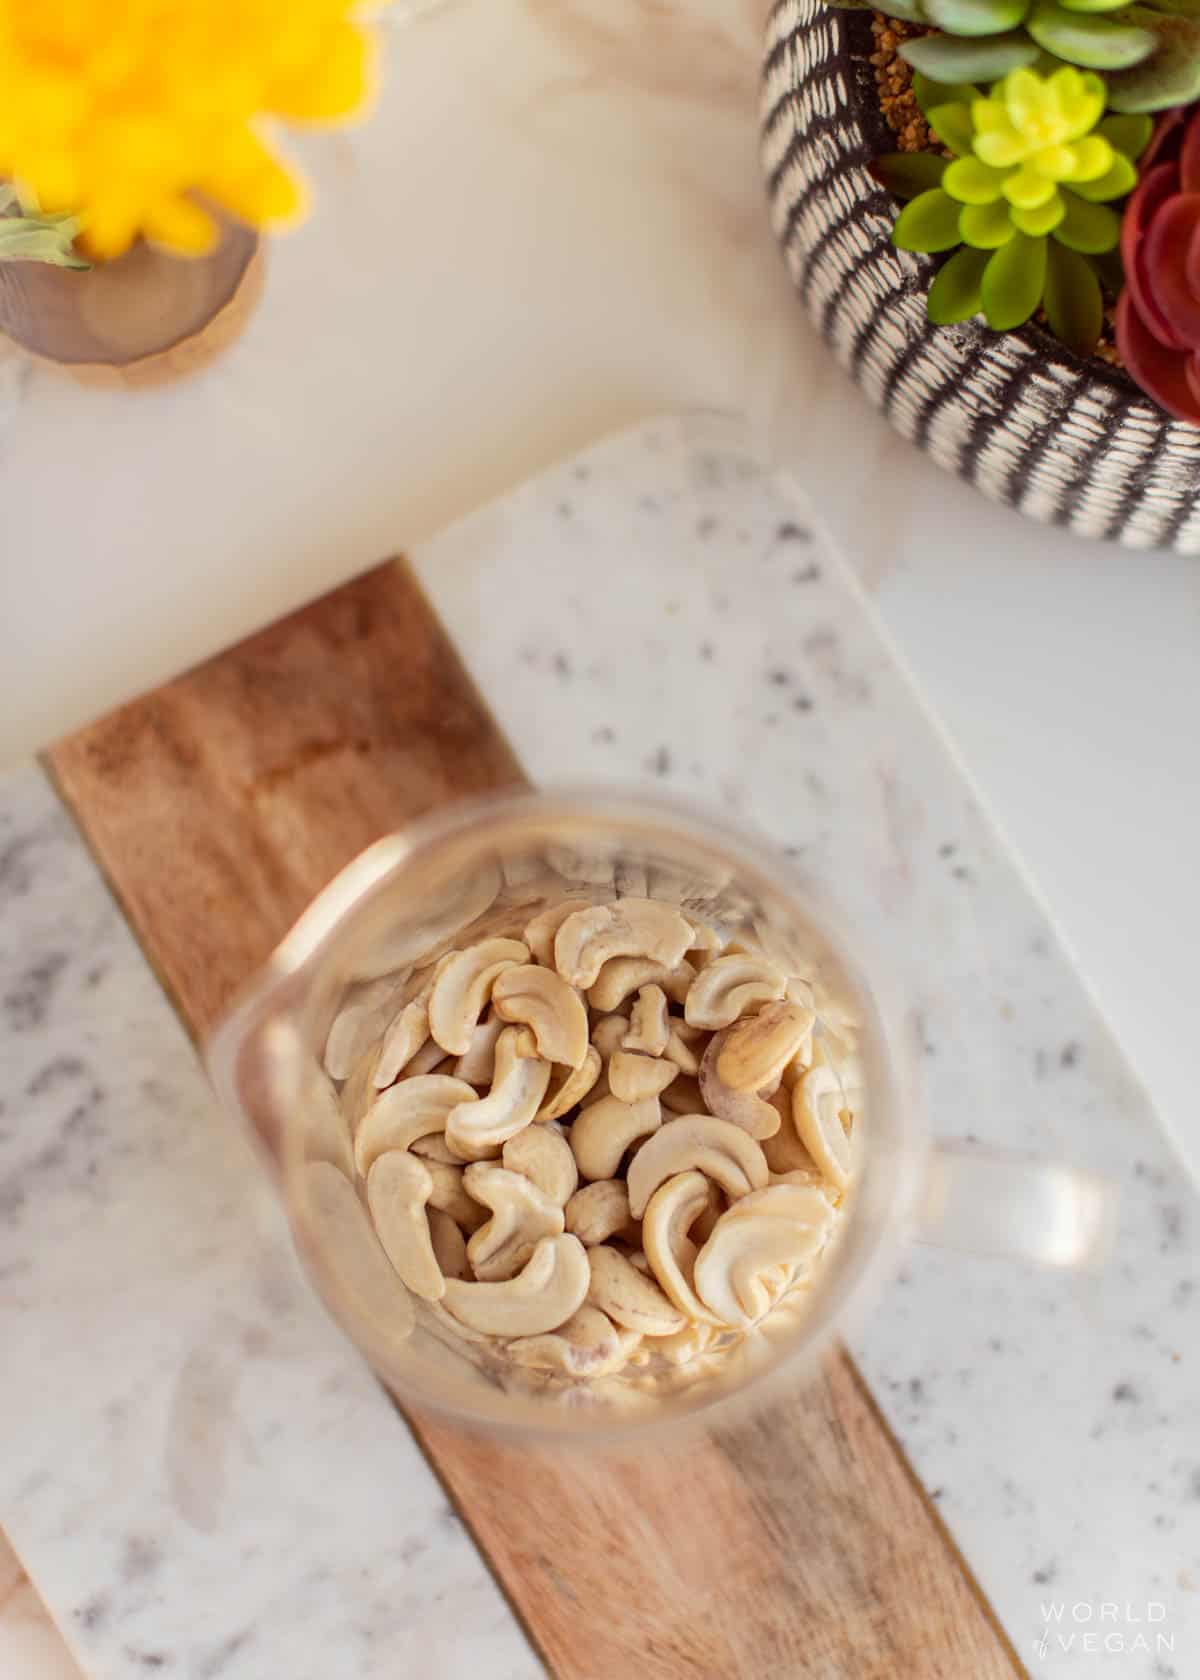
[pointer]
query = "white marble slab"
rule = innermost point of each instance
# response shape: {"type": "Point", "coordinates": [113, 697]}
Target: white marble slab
{"type": "Point", "coordinates": [183, 1428]}
{"type": "Point", "coordinates": [201, 1478]}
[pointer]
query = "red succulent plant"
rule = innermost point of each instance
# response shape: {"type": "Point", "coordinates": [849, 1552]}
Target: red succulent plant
{"type": "Point", "coordinates": [1158, 315]}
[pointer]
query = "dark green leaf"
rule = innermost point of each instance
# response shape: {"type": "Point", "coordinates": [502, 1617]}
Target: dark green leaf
{"type": "Point", "coordinates": [1013, 282]}
{"type": "Point", "coordinates": [908, 174]}
{"type": "Point", "coordinates": [1090, 228]}
{"type": "Point", "coordinates": [929, 93]}
{"type": "Point", "coordinates": [955, 293]}
{"type": "Point", "coordinates": [1096, 42]}
{"type": "Point", "coordinates": [1129, 135]}
{"type": "Point", "coordinates": [1072, 300]}
{"type": "Point", "coordinates": [929, 223]}
{"type": "Point", "coordinates": [953, 127]}
{"type": "Point", "coordinates": [944, 58]}
{"type": "Point", "coordinates": [976, 17]}
{"type": "Point", "coordinates": [1111, 270]}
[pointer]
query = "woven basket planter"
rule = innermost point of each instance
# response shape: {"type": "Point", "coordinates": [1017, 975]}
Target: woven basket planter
{"type": "Point", "coordinates": [1062, 439]}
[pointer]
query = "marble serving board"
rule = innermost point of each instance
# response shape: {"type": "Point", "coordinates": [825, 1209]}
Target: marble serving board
{"type": "Point", "coordinates": [200, 1476]}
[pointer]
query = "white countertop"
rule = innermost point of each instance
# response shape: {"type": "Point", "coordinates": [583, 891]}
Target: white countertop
{"type": "Point", "coordinates": [554, 224]}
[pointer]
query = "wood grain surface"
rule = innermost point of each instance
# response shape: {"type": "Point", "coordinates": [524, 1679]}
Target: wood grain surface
{"type": "Point", "coordinates": [795, 1543]}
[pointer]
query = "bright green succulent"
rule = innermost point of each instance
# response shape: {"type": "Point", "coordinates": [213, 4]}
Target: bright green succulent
{"type": "Point", "coordinates": [1026, 196]}
{"type": "Point", "coordinates": [1148, 49]}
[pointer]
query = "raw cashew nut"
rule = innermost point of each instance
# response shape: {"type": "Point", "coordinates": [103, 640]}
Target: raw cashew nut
{"type": "Point", "coordinates": [729, 987]}
{"type": "Point", "coordinates": [571, 1087]}
{"type": "Point", "coordinates": [449, 1196]}
{"type": "Point", "coordinates": [521, 1216]}
{"type": "Point", "coordinates": [357, 1024]}
{"type": "Point", "coordinates": [449, 1244]}
{"type": "Point", "coordinates": [784, 1152]}
{"type": "Point", "coordinates": [761, 1119]}
{"type": "Point", "coordinates": [553, 1286]}
{"type": "Point", "coordinates": [539, 933]}
{"type": "Point", "coordinates": [724, 1151]}
{"type": "Point", "coordinates": [632, 1077]}
{"type": "Point", "coordinates": [336, 1226]}
{"type": "Point", "coordinates": [685, 1045]}
{"type": "Point", "coordinates": [406, 1112]}
{"type": "Point", "coordinates": [689, 1343]}
{"type": "Point", "coordinates": [818, 1103]}
{"type": "Point", "coordinates": [742, 1267]}
{"type": "Point", "coordinates": [478, 1066]}
{"type": "Point", "coordinates": [629, 1297]}
{"type": "Point", "coordinates": [683, 1096]}
{"type": "Point", "coordinates": [463, 987]}
{"type": "Point", "coordinates": [587, 1345]}
{"type": "Point", "coordinates": [622, 975]}
{"type": "Point", "coordinates": [435, 1148]}
{"type": "Point", "coordinates": [609, 1033]}
{"type": "Point", "coordinates": [599, 1211]}
{"type": "Point", "coordinates": [554, 1011]}
{"type": "Point", "coordinates": [518, 1086]}
{"type": "Point", "coordinates": [398, 1187]}
{"type": "Point", "coordinates": [407, 1033]}
{"type": "Point", "coordinates": [603, 1132]}
{"type": "Point", "coordinates": [543, 1154]}
{"type": "Point", "coordinates": [633, 927]}
{"type": "Point", "coordinates": [430, 1058]}
{"type": "Point", "coordinates": [649, 1024]}
{"type": "Point", "coordinates": [670, 1214]}
{"type": "Point", "coordinates": [756, 1049]}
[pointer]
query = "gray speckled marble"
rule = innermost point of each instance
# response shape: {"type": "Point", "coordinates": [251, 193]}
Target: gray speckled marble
{"type": "Point", "coordinates": [201, 1477]}
{"type": "Point", "coordinates": [181, 1427]}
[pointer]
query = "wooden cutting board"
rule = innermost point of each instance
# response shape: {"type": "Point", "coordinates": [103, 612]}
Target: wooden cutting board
{"type": "Point", "coordinates": [798, 1543]}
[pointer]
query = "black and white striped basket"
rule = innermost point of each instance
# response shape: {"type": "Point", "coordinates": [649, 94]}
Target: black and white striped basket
{"type": "Point", "coordinates": [1062, 439]}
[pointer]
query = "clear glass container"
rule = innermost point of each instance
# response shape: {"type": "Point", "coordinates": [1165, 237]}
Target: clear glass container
{"type": "Point", "coordinates": [485, 868]}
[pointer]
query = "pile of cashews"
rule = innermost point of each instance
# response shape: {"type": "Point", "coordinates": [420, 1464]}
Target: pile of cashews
{"type": "Point", "coordinates": [615, 1141]}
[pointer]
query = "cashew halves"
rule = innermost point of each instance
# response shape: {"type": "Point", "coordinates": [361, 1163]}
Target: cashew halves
{"type": "Point", "coordinates": [543, 1154]}
{"type": "Point", "coordinates": [542, 1000]}
{"type": "Point", "coordinates": [724, 1151]}
{"type": "Point", "coordinates": [743, 1265]}
{"type": "Point", "coordinates": [603, 1132]}
{"type": "Point", "coordinates": [552, 1286]}
{"type": "Point", "coordinates": [729, 987]}
{"type": "Point", "coordinates": [760, 1119]}
{"type": "Point", "coordinates": [628, 1296]}
{"type": "Point", "coordinates": [649, 1024]}
{"type": "Point", "coordinates": [518, 1086]}
{"type": "Point", "coordinates": [521, 1216]}
{"type": "Point", "coordinates": [565, 1092]}
{"type": "Point", "coordinates": [406, 1112]}
{"type": "Point", "coordinates": [818, 1104]}
{"type": "Point", "coordinates": [599, 1211]}
{"type": "Point", "coordinates": [463, 987]}
{"type": "Point", "coordinates": [633, 927]}
{"type": "Point", "coordinates": [670, 1213]}
{"type": "Point", "coordinates": [398, 1188]}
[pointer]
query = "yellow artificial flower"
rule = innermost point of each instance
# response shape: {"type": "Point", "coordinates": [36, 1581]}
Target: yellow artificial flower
{"type": "Point", "coordinates": [128, 112]}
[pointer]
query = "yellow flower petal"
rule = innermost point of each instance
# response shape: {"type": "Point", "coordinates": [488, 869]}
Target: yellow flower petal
{"type": "Point", "coordinates": [335, 86]}
{"type": "Point", "coordinates": [182, 225]}
{"type": "Point", "coordinates": [254, 185]}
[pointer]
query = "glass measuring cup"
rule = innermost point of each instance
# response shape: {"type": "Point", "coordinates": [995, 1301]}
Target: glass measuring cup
{"type": "Point", "coordinates": [485, 868]}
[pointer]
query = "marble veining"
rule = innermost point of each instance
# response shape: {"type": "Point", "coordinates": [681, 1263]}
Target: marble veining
{"type": "Point", "coordinates": [183, 1427]}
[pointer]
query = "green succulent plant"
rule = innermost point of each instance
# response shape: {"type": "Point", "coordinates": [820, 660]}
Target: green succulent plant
{"type": "Point", "coordinates": [1149, 50]}
{"type": "Point", "coordinates": [29, 237]}
{"type": "Point", "coordinates": [1023, 203]}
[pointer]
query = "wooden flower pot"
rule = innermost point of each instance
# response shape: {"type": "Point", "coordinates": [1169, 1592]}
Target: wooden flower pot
{"type": "Point", "coordinates": [143, 319]}
{"type": "Point", "coordinates": [1064, 439]}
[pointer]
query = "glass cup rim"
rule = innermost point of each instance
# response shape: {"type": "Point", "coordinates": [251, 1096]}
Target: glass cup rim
{"type": "Point", "coordinates": [863, 1258]}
